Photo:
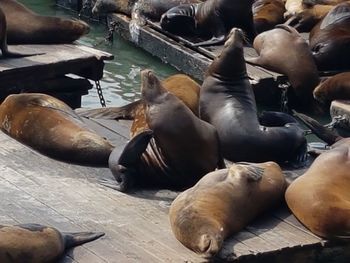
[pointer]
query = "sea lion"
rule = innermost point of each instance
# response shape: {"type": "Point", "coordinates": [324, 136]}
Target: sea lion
{"type": "Point", "coordinates": [3, 39]}
{"type": "Point", "coordinates": [336, 87]}
{"type": "Point", "coordinates": [223, 202]}
{"type": "Point", "coordinates": [330, 39]}
{"type": "Point", "coordinates": [33, 243]}
{"type": "Point", "coordinates": [181, 85]}
{"type": "Point", "coordinates": [176, 153]}
{"type": "Point", "coordinates": [293, 7]}
{"type": "Point", "coordinates": [306, 19]}
{"type": "Point", "coordinates": [227, 102]}
{"type": "Point", "coordinates": [298, 63]}
{"type": "Point", "coordinates": [27, 27]}
{"type": "Point", "coordinates": [51, 127]}
{"type": "Point", "coordinates": [267, 14]}
{"type": "Point", "coordinates": [213, 18]}
{"type": "Point", "coordinates": [320, 197]}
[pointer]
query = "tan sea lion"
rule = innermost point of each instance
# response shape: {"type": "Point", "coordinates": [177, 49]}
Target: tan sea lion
{"type": "Point", "coordinates": [283, 50]}
{"type": "Point", "coordinates": [320, 198]}
{"type": "Point", "coordinates": [227, 102]}
{"type": "Point", "coordinates": [176, 153]}
{"type": "Point", "coordinates": [27, 27]}
{"type": "Point", "coordinates": [33, 243]}
{"type": "Point", "coordinates": [51, 127]}
{"type": "Point", "coordinates": [181, 85]}
{"type": "Point", "coordinates": [336, 87]}
{"type": "Point", "coordinates": [330, 39]}
{"type": "Point", "coordinates": [223, 202]}
{"type": "Point", "coordinates": [267, 14]}
{"type": "Point", "coordinates": [293, 7]}
{"type": "Point", "coordinates": [212, 19]}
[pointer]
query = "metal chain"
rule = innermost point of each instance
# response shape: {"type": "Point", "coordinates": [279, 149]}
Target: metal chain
{"type": "Point", "coordinates": [284, 97]}
{"type": "Point", "coordinates": [99, 93]}
{"type": "Point", "coordinates": [109, 37]}
{"type": "Point", "coordinates": [86, 4]}
{"type": "Point", "coordinates": [336, 120]}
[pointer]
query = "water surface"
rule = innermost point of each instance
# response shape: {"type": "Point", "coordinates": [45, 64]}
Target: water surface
{"type": "Point", "coordinates": [121, 80]}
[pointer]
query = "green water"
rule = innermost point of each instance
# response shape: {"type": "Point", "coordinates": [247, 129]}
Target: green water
{"type": "Point", "coordinates": [121, 80]}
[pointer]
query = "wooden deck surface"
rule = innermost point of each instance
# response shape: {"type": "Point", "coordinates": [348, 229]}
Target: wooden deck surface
{"type": "Point", "coordinates": [37, 189]}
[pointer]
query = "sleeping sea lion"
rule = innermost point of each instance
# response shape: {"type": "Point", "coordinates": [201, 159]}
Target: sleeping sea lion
{"type": "Point", "coordinates": [51, 127]}
{"type": "Point", "coordinates": [213, 19]}
{"type": "Point", "coordinates": [223, 202]}
{"type": "Point", "coordinates": [283, 50]}
{"type": "Point", "coordinates": [33, 243]}
{"type": "Point", "coordinates": [330, 39]}
{"type": "Point", "coordinates": [27, 27]}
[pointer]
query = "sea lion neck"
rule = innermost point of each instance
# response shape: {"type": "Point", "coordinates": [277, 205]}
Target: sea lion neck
{"type": "Point", "coordinates": [230, 64]}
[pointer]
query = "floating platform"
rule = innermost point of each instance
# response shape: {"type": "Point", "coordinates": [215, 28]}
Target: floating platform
{"type": "Point", "coordinates": [37, 189]}
{"type": "Point", "coordinates": [47, 72]}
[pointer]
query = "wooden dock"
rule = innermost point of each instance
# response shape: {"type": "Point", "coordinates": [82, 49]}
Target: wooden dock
{"type": "Point", "coordinates": [37, 189]}
{"type": "Point", "coordinates": [47, 72]}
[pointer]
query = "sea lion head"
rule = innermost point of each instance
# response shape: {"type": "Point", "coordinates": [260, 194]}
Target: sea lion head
{"type": "Point", "coordinates": [151, 87]}
{"type": "Point", "coordinates": [200, 234]}
{"type": "Point", "coordinates": [179, 20]}
{"type": "Point", "coordinates": [73, 29]}
{"type": "Point", "coordinates": [230, 63]}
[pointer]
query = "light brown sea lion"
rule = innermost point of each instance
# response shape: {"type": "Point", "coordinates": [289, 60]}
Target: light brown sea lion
{"type": "Point", "coordinates": [320, 198]}
{"type": "Point", "coordinates": [27, 27]}
{"type": "Point", "coordinates": [181, 85]}
{"type": "Point", "coordinates": [33, 243]}
{"type": "Point", "coordinates": [334, 88]}
{"type": "Point", "coordinates": [267, 14]}
{"type": "Point", "coordinates": [293, 7]}
{"type": "Point", "coordinates": [330, 39]}
{"type": "Point", "coordinates": [223, 202]}
{"type": "Point", "coordinates": [176, 153]}
{"type": "Point", "coordinates": [212, 19]}
{"type": "Point", "coordinates": [51, 127]}
{"type": "Point", "coordinates": [283, 50]}
{"type": "Point", "coordinates": [227, 102]}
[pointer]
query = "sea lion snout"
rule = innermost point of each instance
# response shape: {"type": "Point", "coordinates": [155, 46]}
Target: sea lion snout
{"type": "Point", "coordinates": [209, 245]}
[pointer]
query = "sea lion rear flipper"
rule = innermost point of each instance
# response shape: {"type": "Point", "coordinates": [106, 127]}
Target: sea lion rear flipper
{"type": "Point", "coordinates": [76, 239]}
{"type": "Point", "coordinates": [124, 164]}
{"type": "Point", "coordinates": [126, 112]}
{"type": "Point", "coordinates": [320, 131]}
{"type": "Point", "coordinates": [211, 42]}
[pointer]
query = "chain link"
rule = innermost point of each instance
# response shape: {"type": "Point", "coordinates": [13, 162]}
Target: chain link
{"type": "Point", "coordinates": [99, 93]}
{"type": "Point", "coordinates": [284, 97]}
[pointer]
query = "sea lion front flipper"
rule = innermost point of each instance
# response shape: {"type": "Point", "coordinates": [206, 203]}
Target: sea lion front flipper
{"type": "Point", "coordinates": [126, 112]}
{"type": "Point", "coordinates": [320, 131]}
{"type": "Point", "coordinates": [253, 172]}
{"type": "Point", "coordinates": [124, 165]}
{"type": "Point", "coordinates": [76, 239]}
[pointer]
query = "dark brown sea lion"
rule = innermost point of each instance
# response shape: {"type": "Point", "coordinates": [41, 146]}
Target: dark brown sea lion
{"type": "Point", "coordinates": [223, 202]}
{"type": "Point", "coordinates": [227, 102]}
{"type": "Point", "coordinates": [178, 151]}
{"type": "Point", "coordinates": [330, 39]}
{"type": "Point", "coordinates": [267, 14]}
{"type": "Point", "coordinates": [283, 50]}
{"type": "Point", "coordinates": [3, 39]}
{"type": "Point", "coordinates": [320, 198]}
{"type": "Point", "coordinates": [33, 243]}
{"type": "Point", "coordinates": [51, 127]}
{"type": "Point", "coordinates": [213, 18]}
{"type": "Point", "coordinates": [27, 27]}
{"type": "Point", "coordinates": [181, 85]}
{"type": "Point", "coordinates": [334, 88]}
{"type": "Point", "coordinates": [138, 9]}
